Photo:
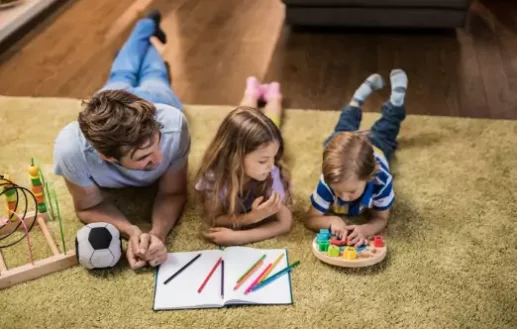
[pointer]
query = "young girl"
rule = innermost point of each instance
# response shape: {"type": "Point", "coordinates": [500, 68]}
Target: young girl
{"type": "Point", "coordinates": [242, 184]}
{"type": "Point", "coordinates": [355, 172]}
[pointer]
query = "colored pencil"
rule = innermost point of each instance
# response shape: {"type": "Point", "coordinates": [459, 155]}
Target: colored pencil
{"type": "Point", "coordinates": [251, 268]}
{"type": "Point", "coordinates": [272, 267]}
{"type": "Point", "coordinates": [209, 275]}
{"type": "Point", "coordinates": [256, 267]}
{"type": "Point", "coordinates": [257, 279]}
{"type": "Point", "coordinates": [181, 269]}
{"type": "Point", "coordinates": [276, 276]}
{"type": "Point", "coordinates": [222, 279]}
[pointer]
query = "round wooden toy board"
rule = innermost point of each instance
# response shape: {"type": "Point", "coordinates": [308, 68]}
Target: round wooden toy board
{"type": "Point", "coordinates": [367, 257]}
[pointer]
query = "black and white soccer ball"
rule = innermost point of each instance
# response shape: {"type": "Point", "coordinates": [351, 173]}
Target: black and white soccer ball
{"type": "Point", "coordinates": [98, 245]}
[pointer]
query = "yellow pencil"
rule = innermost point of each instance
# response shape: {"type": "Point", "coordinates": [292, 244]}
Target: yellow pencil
{"type": "Point", "coordinates": [271, 268]}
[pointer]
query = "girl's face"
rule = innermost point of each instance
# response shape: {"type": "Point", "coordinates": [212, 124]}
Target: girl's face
{"type": "Point", "coordinates": [259, 163]}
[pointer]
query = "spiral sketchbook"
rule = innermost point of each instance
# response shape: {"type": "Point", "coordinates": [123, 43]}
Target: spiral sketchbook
{"type": "Point", "coordinates": [182, 291]}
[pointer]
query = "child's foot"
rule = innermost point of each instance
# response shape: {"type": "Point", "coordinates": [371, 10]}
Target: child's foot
{"type": "Point", "coordinates": [156, 16]}
{"type": "Point", "coordinates": [263, 89]}
{"type": "Point", "coordinates": [273, 92]}
{"type": "Point", "coordinates": [253, 88]}
{"type": "Point", "coordinates": [398, 86]}
{"type": "Point", "coordinates": [372, 83]}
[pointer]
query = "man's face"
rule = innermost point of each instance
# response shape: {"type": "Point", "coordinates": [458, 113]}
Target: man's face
{"type": "Point", "coordinates": [147, 158]}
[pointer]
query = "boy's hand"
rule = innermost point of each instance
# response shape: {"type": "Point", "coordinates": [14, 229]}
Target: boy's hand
{"type": "Point", "coordinates": [222, 236]}
{"type": "Point", "coordinates": [266, 209]}
{"type": "Point", "coordinates": [358, 234]}
{"type": "Point", "coordinates": [338, 228]}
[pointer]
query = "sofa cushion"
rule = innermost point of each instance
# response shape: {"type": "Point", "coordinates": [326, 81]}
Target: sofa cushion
{"type": "Point", "coordinates": [435, 4]}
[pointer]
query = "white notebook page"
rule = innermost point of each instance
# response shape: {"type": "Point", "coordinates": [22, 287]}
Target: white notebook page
{"type": "Point", "coordinates": [239, 260]}
{"type": "Point", "coordinates": [181, 292]}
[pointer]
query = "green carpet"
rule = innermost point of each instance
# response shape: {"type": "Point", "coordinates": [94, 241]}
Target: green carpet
{"type": "Point", "coordinates": [452, 236]}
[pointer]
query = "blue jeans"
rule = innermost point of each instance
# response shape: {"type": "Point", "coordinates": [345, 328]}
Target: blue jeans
{"type": "Point", "coordinates": [383, 133]}
{"type": "Point", "coordinates": [139, 68]}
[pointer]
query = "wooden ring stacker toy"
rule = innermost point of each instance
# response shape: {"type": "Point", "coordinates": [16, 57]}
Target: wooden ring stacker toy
{"type": "Point", "coordinates": [329, 251]}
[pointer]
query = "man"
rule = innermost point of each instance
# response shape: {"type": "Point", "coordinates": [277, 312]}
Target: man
{"type": "Point", "coordinates": [131, 133]}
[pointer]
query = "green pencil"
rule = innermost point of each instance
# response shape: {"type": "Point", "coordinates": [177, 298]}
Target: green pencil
{"type": "Point", "coordinates": [251, 268]}
{"type": "Point", "coordinates": [276, 275]}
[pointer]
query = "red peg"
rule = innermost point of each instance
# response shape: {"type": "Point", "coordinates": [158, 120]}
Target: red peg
{"type": "Point", "coordinates": [377, 241]}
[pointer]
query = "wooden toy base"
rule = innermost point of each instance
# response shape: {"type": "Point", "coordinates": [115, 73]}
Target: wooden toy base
{"type": "Point", "coordinates": [367, 257]}
{"type": "Point", "coordinates": [59, 261]}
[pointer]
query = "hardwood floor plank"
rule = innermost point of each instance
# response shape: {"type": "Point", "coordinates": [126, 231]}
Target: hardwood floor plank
{"type": "Point", "coordinates": [214, 45]}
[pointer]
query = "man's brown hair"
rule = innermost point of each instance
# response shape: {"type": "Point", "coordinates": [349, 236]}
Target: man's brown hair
{"type": "Point", "coordinates": [116, 122]}
{"type": "Point", "coordinates": [347, 155]}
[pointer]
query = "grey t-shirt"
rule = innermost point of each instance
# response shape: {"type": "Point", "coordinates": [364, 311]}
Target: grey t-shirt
{"type": "Point", "coordinates": [77, 161]}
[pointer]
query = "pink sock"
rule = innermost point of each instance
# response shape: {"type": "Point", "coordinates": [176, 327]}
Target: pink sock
{"type": "Point", "coordinates": [252, 87]}
{"type": "Point", "coordinates": [263, 89]}
{"type": "Point", "coordinates": [273, 92]}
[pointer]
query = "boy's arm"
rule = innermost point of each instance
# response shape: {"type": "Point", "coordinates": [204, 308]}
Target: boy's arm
{"type": "Point", "coordinates": [317, 220]}
{"type": "Point", "coordinates": [378, 221]}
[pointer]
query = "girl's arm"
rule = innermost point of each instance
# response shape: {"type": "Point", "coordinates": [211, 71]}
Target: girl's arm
{"type": "Point", "coordinates": [281, 224]}
{"type": "Point", "coordinates": [259, 212]}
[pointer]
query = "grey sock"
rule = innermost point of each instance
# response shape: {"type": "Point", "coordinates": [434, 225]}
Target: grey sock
{"type": "Point", "coordinates": [372, 83]}
{"type": "Point", "coordinates": [398, 86]}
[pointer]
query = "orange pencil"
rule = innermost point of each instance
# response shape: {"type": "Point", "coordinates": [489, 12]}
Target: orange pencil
{"type": "Point", "coordinates": [257, 279]}
{"type": "Point", "coordinates": [250, 273]}
{"type": "Point", "coordinates": [264, 276]}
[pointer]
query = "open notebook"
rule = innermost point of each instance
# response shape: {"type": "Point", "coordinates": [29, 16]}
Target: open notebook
{"type": "Point", "coordinates": [181, 292]}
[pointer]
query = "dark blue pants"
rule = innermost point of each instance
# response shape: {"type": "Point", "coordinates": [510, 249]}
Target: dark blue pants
{"type": "Point", "coordinates": [383, 133]}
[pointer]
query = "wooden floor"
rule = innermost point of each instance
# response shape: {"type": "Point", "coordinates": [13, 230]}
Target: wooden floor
{"type": "Point", "coordinates": [214, 45]}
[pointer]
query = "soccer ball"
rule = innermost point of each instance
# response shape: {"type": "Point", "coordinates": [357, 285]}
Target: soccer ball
{"type": "Point", "coordinates": [98, 245]}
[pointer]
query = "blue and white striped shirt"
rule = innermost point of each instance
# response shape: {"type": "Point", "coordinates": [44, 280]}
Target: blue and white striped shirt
{"type": "Point", "coordinates": [378, 194]}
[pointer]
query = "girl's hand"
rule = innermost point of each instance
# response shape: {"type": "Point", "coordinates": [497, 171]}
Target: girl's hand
{"type": "Point", "coordinates": [267, 208]}
{"type": "Point", "coordinates": [358, 235]}
{"type": "Point", "coordinates": [338, 228]}
{"type": "Point", "coordinates": [223, 236]}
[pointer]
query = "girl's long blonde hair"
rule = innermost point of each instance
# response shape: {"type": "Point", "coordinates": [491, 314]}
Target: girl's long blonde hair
{"type": "Point", "coordinates": [244, 130]}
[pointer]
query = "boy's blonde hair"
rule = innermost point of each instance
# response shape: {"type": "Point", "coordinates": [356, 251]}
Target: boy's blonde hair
{"type": "Point", "coordinates": [347, 155]}
{"type": "Point", "coordinates": [243, 131]}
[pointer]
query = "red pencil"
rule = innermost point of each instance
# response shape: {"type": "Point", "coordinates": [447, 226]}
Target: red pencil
{"type": "Point", "coordinates": [209, 275]}
{"type": "Point", "coordinates": [257, 279]}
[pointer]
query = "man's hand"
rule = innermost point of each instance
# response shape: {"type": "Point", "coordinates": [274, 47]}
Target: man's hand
{"type": "Point", "coordinates": [157, 252]}
{"type": "Point", "coordinates": [137, 243]}
{"type": "Point", "coordinates": [261, 211]}
{"type": "Point", "coordinates": [223, 236]}
{"type": "Point", "coordinates": [358, 234]}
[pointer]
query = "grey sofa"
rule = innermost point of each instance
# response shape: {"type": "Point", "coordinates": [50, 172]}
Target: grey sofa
{"type": "Point", "coordinates": [378, 13]}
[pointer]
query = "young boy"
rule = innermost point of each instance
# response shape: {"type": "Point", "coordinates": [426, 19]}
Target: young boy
{"type": "Point", "coordinates": [355, 173]}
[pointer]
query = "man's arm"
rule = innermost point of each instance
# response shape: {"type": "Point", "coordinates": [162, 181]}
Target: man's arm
{"type": "Point", "coordinates": [91, 207]}
{"type": "Point", "coordinates": [169, 202]}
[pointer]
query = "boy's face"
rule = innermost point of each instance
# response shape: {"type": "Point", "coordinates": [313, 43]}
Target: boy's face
{"type": "Point", "coordinates": [350, 189]}
{"type": "Point", "coordinates": [146, 158]}
{"type": "Point", "coordinates": [259, 163]}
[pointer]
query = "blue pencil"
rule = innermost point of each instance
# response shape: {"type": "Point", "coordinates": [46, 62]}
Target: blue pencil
{"type": "Point", "coordinates": [276, 275]}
